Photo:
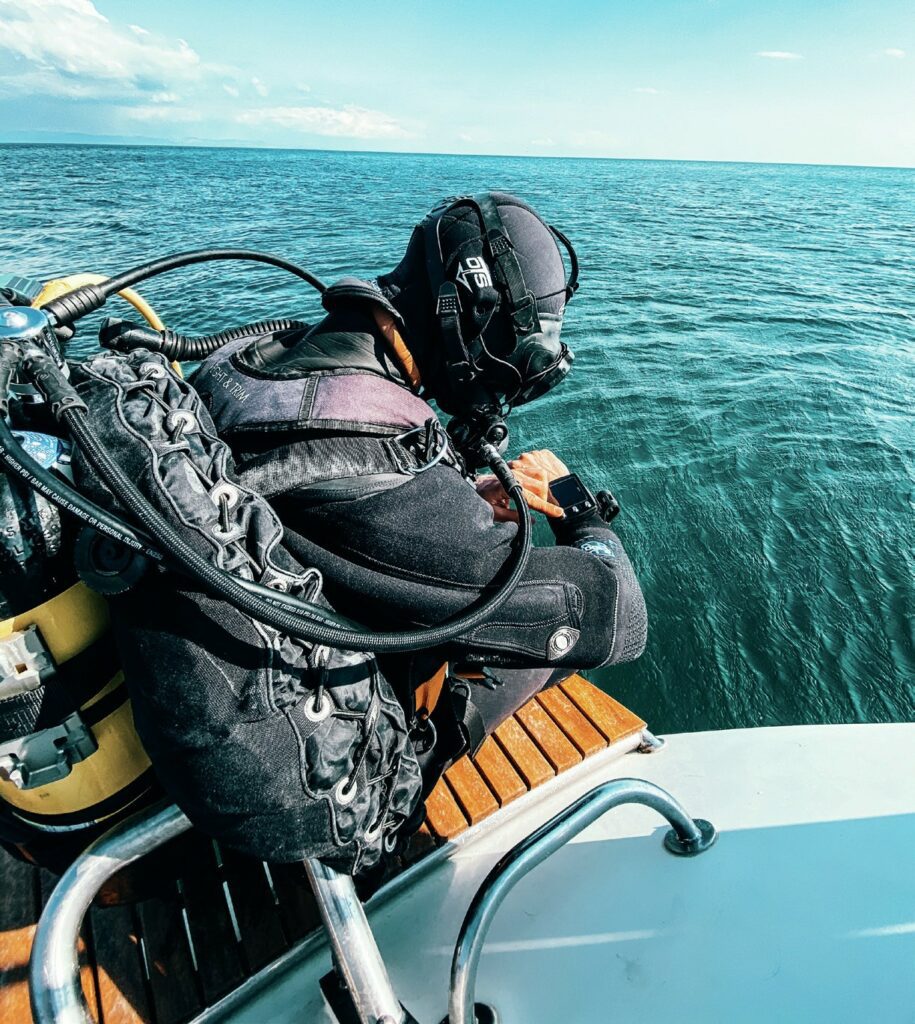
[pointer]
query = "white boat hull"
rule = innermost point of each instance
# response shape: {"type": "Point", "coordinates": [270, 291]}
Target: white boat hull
{"type": "Point", "coordinates": [803, 911]}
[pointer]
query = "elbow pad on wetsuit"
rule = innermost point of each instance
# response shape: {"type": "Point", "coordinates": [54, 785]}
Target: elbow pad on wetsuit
{"type": "Point", "coordinates": [593, 536]}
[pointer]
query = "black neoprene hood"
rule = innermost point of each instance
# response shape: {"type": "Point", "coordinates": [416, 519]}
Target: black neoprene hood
{"type": "Point", "coordinates": [482, 290]}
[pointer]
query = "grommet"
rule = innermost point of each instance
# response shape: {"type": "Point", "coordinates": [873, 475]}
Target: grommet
{"type": "Point", "coordinates": [561, 642]}
{"type": "Point", "coordinates": [225, 491]}
{"type": "Point", "coordinates": [344, 795]}
{"type": "Point", "coordinates": [154, 370]}
{"type": "Point", "coordinates": [316, 712]}
{"type": "Point", "coordinates": [182, 416]}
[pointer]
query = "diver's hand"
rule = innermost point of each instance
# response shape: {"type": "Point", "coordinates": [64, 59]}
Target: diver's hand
{"type": "Point", "coordinates": [534, 471]}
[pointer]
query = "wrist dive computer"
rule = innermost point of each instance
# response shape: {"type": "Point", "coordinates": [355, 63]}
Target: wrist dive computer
{"type": "Point", "coordinates": [577, 502]}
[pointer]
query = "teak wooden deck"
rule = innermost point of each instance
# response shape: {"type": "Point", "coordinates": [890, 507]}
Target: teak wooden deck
{"type": "Point", "coordinates": [165, 959]}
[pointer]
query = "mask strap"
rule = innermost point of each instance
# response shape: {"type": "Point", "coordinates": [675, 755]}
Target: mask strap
{"type": "Point", "coordinates": [523, 304]}
{"type": "Point", "coordinates": [572, 283]}
{"type": "Point", "coordinates": [461, 370]}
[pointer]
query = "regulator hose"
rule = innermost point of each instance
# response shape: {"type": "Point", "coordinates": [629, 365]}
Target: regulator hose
{"type": "Point", "coordinates": [68, 308]}
{"type": "Point", "coordinates": [267, 601]}
{"type": "Point", "coordinates": [16, 460]}
{"type": "Point", "coordinates": [269, 609]}
{"type": "Point", "coordinates": [124, 336]}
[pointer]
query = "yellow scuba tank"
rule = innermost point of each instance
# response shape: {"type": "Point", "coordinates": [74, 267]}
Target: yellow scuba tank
{"type": "Point", "coordinates": [71, 763]}
{"type": "Point", "coordinates": [81, 764]}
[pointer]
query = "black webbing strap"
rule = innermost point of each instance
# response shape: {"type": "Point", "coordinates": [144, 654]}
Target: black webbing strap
{"type": "Point", "coordinates": [447, 307]}
{"type": "Point", "coordinates": [73, 683]}
{"type": "Point", "coordinates": [523, 304]}
{"type": "Point", "coordinates": [572, 283]}
{"type": "Point", "coordinates": [467, 714]}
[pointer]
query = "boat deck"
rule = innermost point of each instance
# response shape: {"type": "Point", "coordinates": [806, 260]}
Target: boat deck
{"type": "Point", "coordinates": [166, 958]}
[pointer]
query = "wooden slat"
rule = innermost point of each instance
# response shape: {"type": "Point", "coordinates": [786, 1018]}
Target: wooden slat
{"type": "Point", "coordinates": [498, 772]}
{"type": "Point", "coordinates": [572, 722]}
{"type": "Point", "coordinates": [298, 910]}
{"type": "Point", "coordinates": [123, 989]}
{"type": "Point", "coordinates": [610, 718]}
{"type": "Point", "coordinates": [470, 790]}
{"type": "Point", "coordinates": [219, 959]}
{"type": "Point", "coordinates": [172, 979]}
{"type": "Point", "coordinates": [551, 740]}
{"type": "Point", "coordinates": [445, 819]}
{"type": "Point", "coordinates": [262, 937]}
{"type": "Point", "coordinates": [19, 909]}
{"type": "Point", "coordinates": [531, 765]}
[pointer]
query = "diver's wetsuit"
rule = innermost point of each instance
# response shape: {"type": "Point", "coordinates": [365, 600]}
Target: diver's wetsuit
{"type": "Point", "coordinates": [399, 548]}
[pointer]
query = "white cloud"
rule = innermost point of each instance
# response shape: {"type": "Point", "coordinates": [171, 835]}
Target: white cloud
{"type": "Point", "coordinates": [648, 90]}
{"type": "Point", "coordinates": [894, 52]}
{"type": "Point", "coordinates": [780, 55]}
{"type": "Point", "coordinates": [73, 50]}
{"type": "Point", "coordinates": [259, 87]}
{"type": "Point", "coordinates": [165, 115]}
{"type": "Point", "coordinates": [350, 121]}
{"type": "Point", "coordinates": [231, 90]}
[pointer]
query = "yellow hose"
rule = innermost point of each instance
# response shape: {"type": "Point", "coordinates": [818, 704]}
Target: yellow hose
{"type": "Point", "coordinates": [61, 285]}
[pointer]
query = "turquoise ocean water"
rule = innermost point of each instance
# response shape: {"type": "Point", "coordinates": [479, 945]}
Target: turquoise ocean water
{"type": "Point", "coordinates": [744, 377]}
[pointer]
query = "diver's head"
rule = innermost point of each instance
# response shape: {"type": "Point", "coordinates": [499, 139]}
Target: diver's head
{"type": "Point", "coordinates": [482, 289]}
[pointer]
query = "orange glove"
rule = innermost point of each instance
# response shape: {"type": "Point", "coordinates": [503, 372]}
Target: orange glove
{"type": "Point", "coordinates": [534, 471]}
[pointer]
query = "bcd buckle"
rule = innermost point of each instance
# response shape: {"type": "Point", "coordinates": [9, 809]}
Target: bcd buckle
{"type": "Point", "coordinates": [48, 755]}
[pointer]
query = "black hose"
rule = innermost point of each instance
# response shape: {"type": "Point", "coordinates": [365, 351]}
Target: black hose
{"type": "Point", "coordinates": [268, 609]}
{"type": "Point", "coordinates": [75, 304]}
{"type": "Point", "coordinates": [124, 336]}
{"type": "Point", "coordinates": [15, 459]}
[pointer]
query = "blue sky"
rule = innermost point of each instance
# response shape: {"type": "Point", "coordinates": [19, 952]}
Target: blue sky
{"type": "Point", "coordinates": [800, 81]}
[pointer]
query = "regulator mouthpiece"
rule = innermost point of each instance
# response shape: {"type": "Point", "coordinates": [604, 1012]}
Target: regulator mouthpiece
{"type": "Point", "coordinates": [475, 432]}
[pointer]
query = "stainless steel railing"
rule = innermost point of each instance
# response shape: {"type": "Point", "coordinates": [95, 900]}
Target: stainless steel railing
{"type": "Point", "coordinates": [54, 984]}
{"type": "Point", "coordinates": [54, 981]}
{"type": "Point", "coordinates": [686, 838]}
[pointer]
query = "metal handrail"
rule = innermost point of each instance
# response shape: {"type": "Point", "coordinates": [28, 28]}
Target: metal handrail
{"type": "Point", "coordinates": [687, 838]}
{"type": "Point", "coordinates": [54, 977]}
{"type": "Point", "coordinates": [356, 953]}
{"type": "Point", "coordinates": [54, 981]}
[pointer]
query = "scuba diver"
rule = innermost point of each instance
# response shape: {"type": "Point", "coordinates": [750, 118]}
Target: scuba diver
{"type": "Point", "coordinates": [317, 602]}
{"type": "Point", "coordinates": [332, 424]}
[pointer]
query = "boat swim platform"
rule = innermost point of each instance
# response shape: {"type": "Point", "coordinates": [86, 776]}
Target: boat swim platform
{"type": "Point", "coordinates": [205, 929]}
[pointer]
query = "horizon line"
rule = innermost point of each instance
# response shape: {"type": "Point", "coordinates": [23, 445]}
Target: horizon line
{"type": "Point", "coordinates": [215, 144]}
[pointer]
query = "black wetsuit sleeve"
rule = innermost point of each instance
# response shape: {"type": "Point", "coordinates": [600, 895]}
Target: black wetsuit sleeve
{"type": "Point", "coordinates": [422, 552]}
{"type": "Point", "coordinates": [594, 536]}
